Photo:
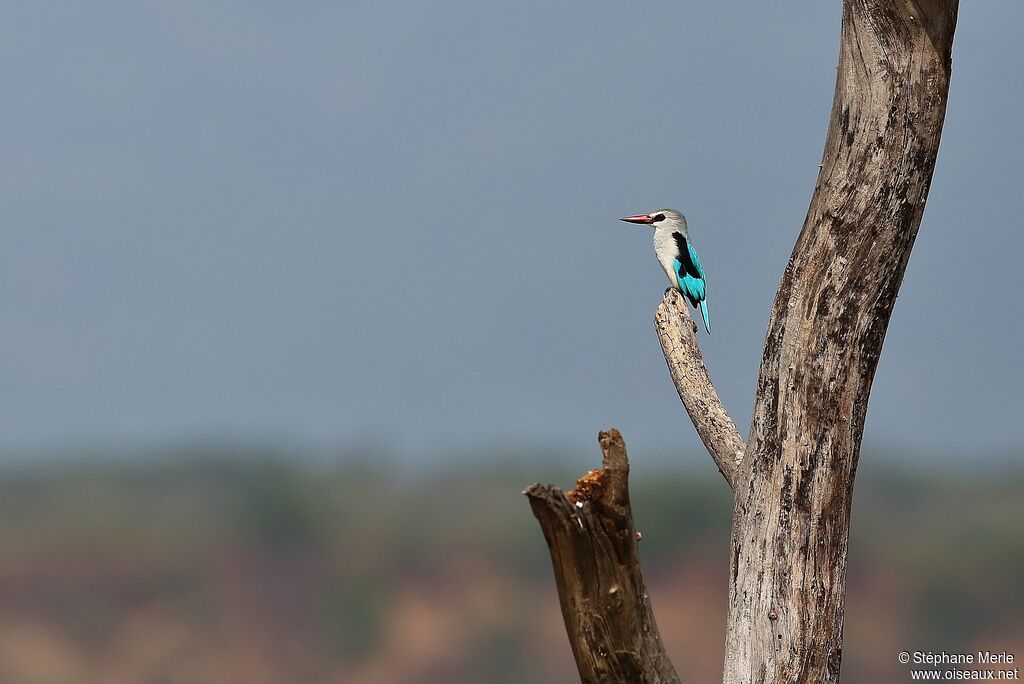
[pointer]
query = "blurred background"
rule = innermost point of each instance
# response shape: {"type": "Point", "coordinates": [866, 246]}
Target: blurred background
{"type": "Point", "coordinates": [299, 297]}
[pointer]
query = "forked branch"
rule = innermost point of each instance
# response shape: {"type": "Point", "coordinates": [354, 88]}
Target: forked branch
{"type": "Point", "coordinates": [794, 482]}
{"type": "Point", "coordinates": [678, 335]}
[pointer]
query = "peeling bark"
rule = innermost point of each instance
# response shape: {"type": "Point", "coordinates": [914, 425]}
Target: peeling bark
{"type": "Point", "coordinates": [593, 545]}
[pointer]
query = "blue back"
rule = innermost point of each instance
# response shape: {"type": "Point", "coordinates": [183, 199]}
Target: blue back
{"type": "Point", "coordinates": [690, 277]}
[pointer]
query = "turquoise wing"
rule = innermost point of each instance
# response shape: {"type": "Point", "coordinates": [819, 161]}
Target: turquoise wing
{"type": "Point", "coordinates": [690, 276]}
{"type": "Point", "coordinates": [691, 286]}
{"type": "Point", "coordinates": [688, 270]}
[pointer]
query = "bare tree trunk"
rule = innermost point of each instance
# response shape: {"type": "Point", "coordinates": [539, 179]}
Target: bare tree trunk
{"type": "Point", "coordinates": [792, 506]}
{"type": "Point", "coordinates": [793, 479]}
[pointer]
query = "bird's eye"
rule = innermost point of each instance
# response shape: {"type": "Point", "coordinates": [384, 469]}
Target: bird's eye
{"type": "Point", "coordinates": [659, 217]}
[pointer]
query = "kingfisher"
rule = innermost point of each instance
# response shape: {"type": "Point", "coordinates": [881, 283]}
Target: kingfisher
{"type": "Point", "coordinates": [677, 256]}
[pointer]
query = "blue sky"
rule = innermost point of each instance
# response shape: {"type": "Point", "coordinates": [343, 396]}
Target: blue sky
{"type": "Point", "coordinates": [396, 222]}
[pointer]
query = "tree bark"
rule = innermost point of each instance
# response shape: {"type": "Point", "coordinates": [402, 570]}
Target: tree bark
{"type": "Point", "coordinates": [593, 545]}
{"type": "Point", "coordinates": [792, 504]}
{"type": "Point", "coordinates": [678, 335]}
{"type": "Point", "coordinates": [793, 479]}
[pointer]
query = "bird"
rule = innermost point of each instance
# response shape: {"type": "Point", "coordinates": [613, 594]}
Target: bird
{"type": "Point", "coordinates": [677, 256]}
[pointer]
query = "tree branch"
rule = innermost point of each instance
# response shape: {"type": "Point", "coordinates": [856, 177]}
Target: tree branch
{"type": "Point", "coordinates": [593, 545]}
{"type": "Point", "coordinates": [678, 335]}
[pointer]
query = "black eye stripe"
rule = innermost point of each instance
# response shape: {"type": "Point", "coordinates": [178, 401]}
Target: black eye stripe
{"type": "Point", "coordinates": [659, 217]}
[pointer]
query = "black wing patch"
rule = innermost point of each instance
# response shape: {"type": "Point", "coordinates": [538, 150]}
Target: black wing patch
{"type": "Point", "coordinates": [683, 256]}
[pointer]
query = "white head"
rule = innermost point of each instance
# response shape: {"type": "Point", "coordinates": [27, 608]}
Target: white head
{"type": "Point", "coordinates": [662, 219]}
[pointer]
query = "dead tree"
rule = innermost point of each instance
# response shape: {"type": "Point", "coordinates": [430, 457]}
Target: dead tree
{"type": "Point", "coordinates": [793, 478]}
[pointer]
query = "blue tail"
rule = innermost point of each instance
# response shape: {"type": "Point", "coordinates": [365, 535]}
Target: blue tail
{"type": "Point", "coordinates": [704, 313]}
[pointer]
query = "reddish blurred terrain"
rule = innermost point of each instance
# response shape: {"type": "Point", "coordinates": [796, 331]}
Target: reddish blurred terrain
{"type": "Point", "coordinates": [207, 570]}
